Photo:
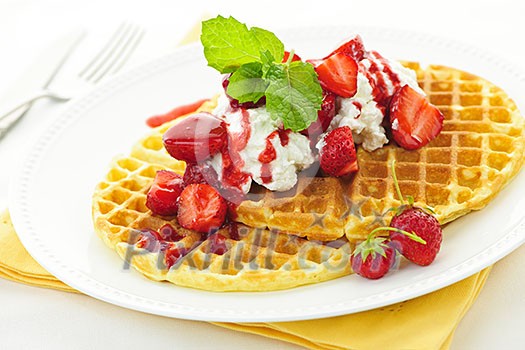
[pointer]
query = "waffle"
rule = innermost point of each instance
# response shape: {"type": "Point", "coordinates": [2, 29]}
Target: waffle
{"type": "Point", "coordinates": [479, 150]}
{"type": "Point", "coordinates": [315, 207]}
{"type": "Point", "coordinates": [256, 259]}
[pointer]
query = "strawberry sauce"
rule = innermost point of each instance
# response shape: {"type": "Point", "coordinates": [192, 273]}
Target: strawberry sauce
{"type": "Point", "coordinates": [240, 140]}
{"type": "Point", "coordinates": [359, 107]}
{"type": "Point", "coordinates": [380, 74]}
{"type": "Point", "coordinates": [269, 154]}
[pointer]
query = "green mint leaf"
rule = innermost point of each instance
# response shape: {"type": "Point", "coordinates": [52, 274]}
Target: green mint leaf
{"type": "Point", "coordinates": [268, 63]}
{"type": "Point", "coordinates": [269, 44]}
{"type": "Point", "coordinates": [246, 83]}
{"type": "Point", "coordinates": [294, 94]}
{"type": "Point", "coordinates": [228, 44]}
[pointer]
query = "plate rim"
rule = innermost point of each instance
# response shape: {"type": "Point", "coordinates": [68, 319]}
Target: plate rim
{"type": "Point", "coordinates": [18, 204]}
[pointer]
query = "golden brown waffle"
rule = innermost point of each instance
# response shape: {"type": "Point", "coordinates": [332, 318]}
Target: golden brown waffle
{"type": "Point", "coordinates": [260, 260]}
{"type": "Point", "coordinates": [480, 149]}
{"type": "Point", "coordinates": [314, 208]}
{"type": "Point", "coordinates": [256, 260]}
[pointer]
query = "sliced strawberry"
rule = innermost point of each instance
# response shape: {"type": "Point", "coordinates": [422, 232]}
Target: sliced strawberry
{"type": "Point", "coordinates": [168, 233]}
{"type": "Point", "coordinates": [338, 156]}
{"type": "Point", "coordinates": [354, 48]}
{"type": "Point", "coordinates": [338, 74]}
{"type": "Point", "coordinates": [196, 137]}
{"type": "Point", "coordinates": [164, 192]}
{"type": "Point", "coordinates": [201, 208]}
{"type": "Point", "coordinates": [200, 174]}
{"type": "Point", "coordinates": [217, 244]}
{"type": "Point", "coordinates": [175, 113]}
{"type": "Point", "coordinates": [149, 239]}
{"type": "Point", "coordinates": [173, 253]}
{"type": "Point", "coordinates": [414, 121]}
{"type": "Point", "coordinates": [294, 58]}
{"type": "Point", "coordinates": [324, 117]}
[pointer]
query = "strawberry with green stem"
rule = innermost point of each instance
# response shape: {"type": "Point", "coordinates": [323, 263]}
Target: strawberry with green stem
{"type": "Point", "coordinates": [374, 257]}
{"type": "Point", "coordinates": [418, 221]}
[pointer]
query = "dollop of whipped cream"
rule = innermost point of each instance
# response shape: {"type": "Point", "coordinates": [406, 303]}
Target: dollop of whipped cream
{"type": "Point", "coordinates": [377, 80]}
{"type": "Point", "coordinates": [290, 157]}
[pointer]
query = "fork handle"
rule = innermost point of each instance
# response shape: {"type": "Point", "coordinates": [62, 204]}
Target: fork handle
{"type": "Point", "coordinates": [10, 117]}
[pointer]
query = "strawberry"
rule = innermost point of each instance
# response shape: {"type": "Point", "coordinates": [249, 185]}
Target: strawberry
{"type": "Point", "coordinates": [414, 121]}
{"type": "Point", "coordinates": [164, 192]}
{"type": "Point", "coordinates": [373, 258]}
{"type": "Point", "coordinates": [354, 48]}
{"type": "Point", "coordinates": [416, 234]}
{"type": "Point", "coordinates": [217, 244]}
{"type": "Point", "coordinates": [168, 233]}
{"type": "Point", "coordinates": [196, 138]}
{"type": "Point", "coordinates": [338, 157]}
{"type": "Point", "coordinates": [287, 55]}
{"type": "Point", "coordinates": [200, 174]}
{"type": "Point", "coordinates": [338, 74]}
{"type": "Point", "coordinates": [173, 253]}
{"type": "Point", "coordinates": [201, 208]}
{"type": "Point", "coordinates": [324, 117]}
{"type": "Point", "coordinates": [424, 225]}
{"type": "Point", "coordinates": [149, 239]}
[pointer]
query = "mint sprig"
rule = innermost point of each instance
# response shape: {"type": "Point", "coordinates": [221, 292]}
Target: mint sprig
{"type": "Point", "coordinates": [293, 94]}
{"type": "Point", "coordinates": [246, 83]}
{"type": "Point", "coordinates": [228, 43]}
{"type": "Point", "coordinates": [254, 57]}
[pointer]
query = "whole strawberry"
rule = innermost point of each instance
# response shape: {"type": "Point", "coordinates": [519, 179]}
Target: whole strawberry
{"type": "Point", "coordinates": [424, 225]}
{"type": "Point", "coordinates": [416, 233]}
{"type": "Point", "coordinates": [373, 258]}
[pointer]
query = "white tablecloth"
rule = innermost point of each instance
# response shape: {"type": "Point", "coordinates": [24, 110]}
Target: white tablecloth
{"type": "Point", "coordinates": [39, 318]}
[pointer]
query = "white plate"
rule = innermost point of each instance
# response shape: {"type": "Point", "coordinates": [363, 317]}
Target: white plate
{"type": "Point", "coordinates": [50, 196]}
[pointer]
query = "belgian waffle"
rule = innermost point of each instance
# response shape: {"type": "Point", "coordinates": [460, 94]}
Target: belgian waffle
{"type": "Point", "coordinates": [479, 150]}
{"type": "Point", "coordinates": [256, 259]}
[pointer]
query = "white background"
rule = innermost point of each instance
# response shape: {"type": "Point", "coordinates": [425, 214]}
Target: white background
{"type": "Point", "coordinates": [38, 318]}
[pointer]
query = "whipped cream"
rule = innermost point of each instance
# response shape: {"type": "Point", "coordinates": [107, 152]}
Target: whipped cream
{"type": "Point", "coordinates": [363, 112]}
{"type": "Point", "coordinates": [290, 158]}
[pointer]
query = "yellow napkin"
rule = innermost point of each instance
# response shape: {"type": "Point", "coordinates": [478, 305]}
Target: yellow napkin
{"type": "Point", "coordinates": [427, 322]}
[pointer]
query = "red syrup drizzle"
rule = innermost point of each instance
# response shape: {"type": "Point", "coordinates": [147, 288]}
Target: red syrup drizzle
{"type": "Point", "coordinates": [232, 177]}
{"type": "Point", "coordinates": [377, 76]}
{"type": "Point", "coordinates": [164, 241]}
{"type": "Point", "coordinates": [359, 107]}
{"type": "Point", "coordinates": [269, 154]}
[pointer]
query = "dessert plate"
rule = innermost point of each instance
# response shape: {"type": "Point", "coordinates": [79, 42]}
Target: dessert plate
{"type": "Point", "coordinates": [50, 195]}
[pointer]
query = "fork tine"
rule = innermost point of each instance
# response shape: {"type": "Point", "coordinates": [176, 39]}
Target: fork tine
{"type": "Point", "coordinates": [115, 49]}
{"type": "Point", "coordinates": [88, 69]}
{"type": "Point", "coordinates": [113, 56]}
{"type": "Point", "coordinates": [125, 54]}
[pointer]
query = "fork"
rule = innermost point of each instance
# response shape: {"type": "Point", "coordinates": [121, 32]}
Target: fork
{"type": "Point", "coordinates": [109, 60]}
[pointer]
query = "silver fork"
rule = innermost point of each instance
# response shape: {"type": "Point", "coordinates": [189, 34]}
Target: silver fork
{"type": "Point", "coordinates": [109, 60]}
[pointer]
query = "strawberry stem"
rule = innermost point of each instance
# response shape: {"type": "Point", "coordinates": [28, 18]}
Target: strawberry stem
{"type": "Point", "coordinates": [396, 183]}
{"type": "Point", "coordinates": [290, 57]}
{"type": "Point", "coordinates": [412, 235]}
